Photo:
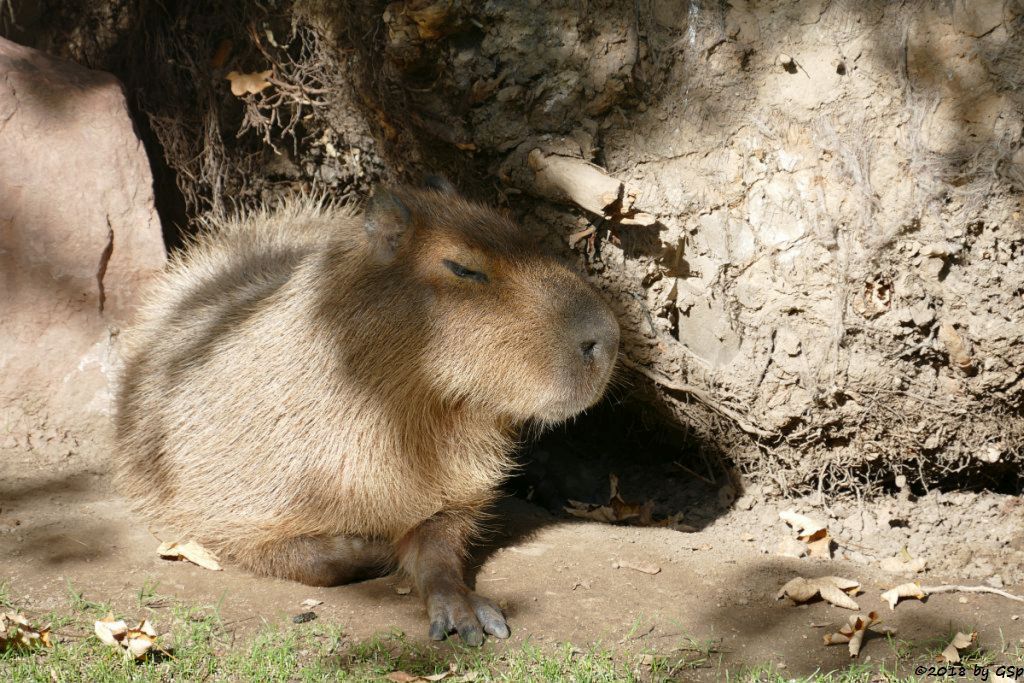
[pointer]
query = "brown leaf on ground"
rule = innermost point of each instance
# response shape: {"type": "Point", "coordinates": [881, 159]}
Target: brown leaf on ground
{"type": "Point", "coordinates": [249, 84]}
{"type": "Point", "coordinates": [804, 525]}
{"type": "Point", "coordinates": [191, 551]}
{"type": "Point", "coordinates": [961, 641]}
{"type": "Point", "coordinates": [833, 589]}
{"type": "Point", "coordinates": [810, 532]}
{"type": "Point", "coordinates": [904, 590]}
{"type": "Point", "coordinates": [136, 642]}
{"type": "Point", "coordinates": [819, 544]}
{"type": "Point", "coordinates": [853, 632]}
{"type": "Point", "coordinates": [16, 633]}
{"type": "Point", "coordinates": [618, 510]}
{"type": "Point", "coordinates": [903, 564]}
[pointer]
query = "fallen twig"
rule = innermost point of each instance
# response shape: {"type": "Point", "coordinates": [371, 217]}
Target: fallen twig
{"type": "Point", "coordinates": [919, 592]}
{"type": "Point", "coordinates": [565, 178]}
{"type": "Point", "coordinates": [933, 590]}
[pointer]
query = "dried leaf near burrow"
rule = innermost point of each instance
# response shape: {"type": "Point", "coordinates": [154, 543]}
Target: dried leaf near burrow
{"type": "Point", "coordinates": [811, 532]}
{"type": "Point", "coordinates": [904, 590]}
{"type": "Point", "coordinates": [961, 641]}
{"type": "Point", "coordinates": [16, 633]}
{"type": "Point", "coordinates": [249, 84]}
{"type": "Point", "coordinates": [618, 510]}
{"type": "Point", "coordinates": [136, 642]}
{"type": "Point", "coordinates": [191, 551]}
{"type": "Point", "coordinates": [832, 589]}
{"type": "Point", "coordinates": [903, 564]}
{"type": "Point", "coordinates": [853, 632]}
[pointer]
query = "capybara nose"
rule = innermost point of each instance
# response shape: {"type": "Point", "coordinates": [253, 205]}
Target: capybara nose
{"type": "Point", "coordinates": [598, 337]}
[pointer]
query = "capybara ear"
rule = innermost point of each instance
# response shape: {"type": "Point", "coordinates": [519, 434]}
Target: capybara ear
{"type": "Point", "coordinates": [439, 183]}
{"type": "Point", "coordinates": [386, 219]}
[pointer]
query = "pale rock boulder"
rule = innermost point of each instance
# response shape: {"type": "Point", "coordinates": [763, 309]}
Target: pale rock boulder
{"type": "Point", "coordinates": [79, 236]}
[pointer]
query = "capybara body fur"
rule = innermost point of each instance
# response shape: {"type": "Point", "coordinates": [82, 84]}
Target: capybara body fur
{"type": "Point", "coordinates": [321, 396]}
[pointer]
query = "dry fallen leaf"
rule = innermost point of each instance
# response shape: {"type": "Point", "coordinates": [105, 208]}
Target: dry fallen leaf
{"type": "Point", "coordinates": [618, 510]}
{"type": "Point", "coordinates": [904, 590]}
{"type": "Point", "coordinates": [644, 567]}
{"type": "Point", "coordinates": [819, 544]}
{"type": "Point", "coordinates": [903, 565]}
{"type": "Point", "coordinates": [243, 84]}
{"type": "Point", "coordinates": [853, 632]}
{"type": "Point", "coordinates": [804, 525]}
{"type": "Point", "coordinates": [832, 589]}
{"type": "Point", "coordinates": [137, 642]}
{"type": "Point", "coordinates": [960, 641]}
{"type": "Point", "coordinates": [309, 603]}
{"type": "Point", "coordinates": [16, 633]}
{"type": "Point", "coordinates": [191, 551]}
{"type": "Point", "coordinates": [810, 532]}
{"type": "Point", "coordinates": [110, 630]}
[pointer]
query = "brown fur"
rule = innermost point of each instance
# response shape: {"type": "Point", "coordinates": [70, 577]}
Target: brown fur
{"type": "Point", "coordinates": [317, 395]}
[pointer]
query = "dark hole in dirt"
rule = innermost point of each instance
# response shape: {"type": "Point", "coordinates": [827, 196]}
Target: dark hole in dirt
{"type": "Point", "coordinates": [745, 59]}
{"type": "Point", "coordinates": [841, 68]}
{"type": "Point", "coordinates": [1001, 478]}
{"type": "Point", "coordinates": [652, 463]}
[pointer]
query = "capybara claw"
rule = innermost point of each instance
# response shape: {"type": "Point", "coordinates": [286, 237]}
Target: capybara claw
{"type": "Point", "coordinates": [468, 614]}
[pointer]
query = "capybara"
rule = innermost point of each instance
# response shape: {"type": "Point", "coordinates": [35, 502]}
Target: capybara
{"type": "Point", "coordinates": [321, 395]}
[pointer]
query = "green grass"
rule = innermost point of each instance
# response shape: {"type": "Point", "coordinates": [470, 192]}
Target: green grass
{"type": "Point", "coordinates": [81, 605]}
{"type": "Point", "coordinates": [197, 645]}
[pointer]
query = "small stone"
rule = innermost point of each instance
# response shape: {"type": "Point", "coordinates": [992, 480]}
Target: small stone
{"type": "Point", "coordinates": [403, 590]}
{"type": "Point", "coordinates": [962, 600]}
{"type": "Point", "coordinates": [304, 617]}
{"type": "Point", "coordinates": [790, 547]}
{"type": "Point", "coordinates": [995, 581]}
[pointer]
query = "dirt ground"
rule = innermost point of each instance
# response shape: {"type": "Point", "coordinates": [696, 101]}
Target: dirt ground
{"type": "Point", "coordinates": [555, 577]}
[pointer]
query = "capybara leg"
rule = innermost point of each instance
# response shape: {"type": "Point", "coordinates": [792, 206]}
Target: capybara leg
{"type": "Point", "coordinates": [319, 560]}
{"type": "Point", "coordinates": [432, 554]}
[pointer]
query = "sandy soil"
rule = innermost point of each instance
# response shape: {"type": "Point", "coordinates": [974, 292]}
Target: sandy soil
{"type": "Point", "coordinates": [554, 576]}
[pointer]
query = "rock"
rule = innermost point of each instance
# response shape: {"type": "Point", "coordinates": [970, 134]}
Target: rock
{"type": "Point", "coordinates": [79, 235]}
{"type": "Point", "coordinates": [790, 547]}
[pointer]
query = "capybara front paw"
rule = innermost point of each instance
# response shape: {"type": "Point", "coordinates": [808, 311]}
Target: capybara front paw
{"type": "Point", "coordinates": [459, 609]}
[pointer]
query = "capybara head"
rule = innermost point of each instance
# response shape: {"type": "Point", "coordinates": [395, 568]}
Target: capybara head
{"type": "Point", "coordinates": [501, 326]}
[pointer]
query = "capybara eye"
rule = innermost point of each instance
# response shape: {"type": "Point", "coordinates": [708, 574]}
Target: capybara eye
{"type": "Point", "coordinates": [462, 271]}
